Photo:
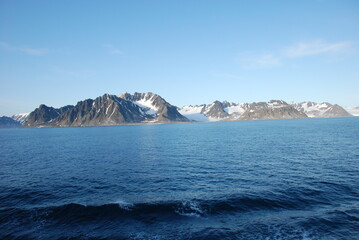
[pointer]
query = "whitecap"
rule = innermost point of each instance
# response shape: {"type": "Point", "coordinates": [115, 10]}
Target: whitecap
{"type": "Point", "coordinates": [190, 209]}
{"type": "Point", "coordinates": [124, 205]}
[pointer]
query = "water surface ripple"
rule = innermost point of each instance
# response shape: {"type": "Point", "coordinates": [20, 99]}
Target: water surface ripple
{"type": "Point", "coordinates": [281, 179]}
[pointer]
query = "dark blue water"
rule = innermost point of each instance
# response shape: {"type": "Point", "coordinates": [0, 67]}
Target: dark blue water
{"type": "Point", "coordinates": [281, 179]}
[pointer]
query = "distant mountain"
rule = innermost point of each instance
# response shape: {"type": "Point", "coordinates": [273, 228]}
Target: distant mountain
{"type": "Point", "coordinates": [21, 117]}
{"type": "Point", "coordinates": [353, 110]}
{"type": "Point", "coordinates": [215, 111]}
{"type": "Point", "coordinates": [107, 110]}
{"type": "Point", "coordinates": [274, 109]}
{"type": "Point", "coordinates": [225, 111]}
{"type": "Point", "coordinates": [321, 110]}
{"type": "Point", "coordinates": [6, 122]}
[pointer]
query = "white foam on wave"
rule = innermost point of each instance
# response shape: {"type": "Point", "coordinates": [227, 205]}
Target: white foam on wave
{"type": "Point", "coordinates": [124, 205]}
{"type": "Point", "coordinates": [190, 209]}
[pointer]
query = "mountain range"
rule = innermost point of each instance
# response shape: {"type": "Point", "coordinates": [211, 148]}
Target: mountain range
{"type": "Point", "coordinates": [145, 108]}
{"type": "Point", "coordinates": [225, 111]}
{"type": "Point", "coordinates": [274, 109]}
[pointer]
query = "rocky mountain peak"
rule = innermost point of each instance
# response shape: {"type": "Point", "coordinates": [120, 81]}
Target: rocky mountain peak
{"type": "Point", "coordinates": [215, 110]}
{"type": "Point", "coordinates": [126, 96]}
{"type": "Point", "coordinates": [226, 104]}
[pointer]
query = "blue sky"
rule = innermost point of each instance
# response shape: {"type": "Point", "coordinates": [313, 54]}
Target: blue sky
{"type": "Point", "coordinates": [189, 52]}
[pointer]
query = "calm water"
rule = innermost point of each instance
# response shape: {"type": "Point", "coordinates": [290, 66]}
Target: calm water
{"type": "Point", "coordinates": [282, 179]}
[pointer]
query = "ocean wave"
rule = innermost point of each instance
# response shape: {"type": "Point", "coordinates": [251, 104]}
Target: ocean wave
{"type": "Point", "coordinates": [291, 199]}
{"type": "Point", "coordinates": [127, 217]}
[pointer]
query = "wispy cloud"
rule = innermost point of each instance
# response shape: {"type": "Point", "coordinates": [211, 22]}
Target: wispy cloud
{"type": "Point", "coordinates": [226, 75]}
{"type": "Point", "coordinates": [316, 48]}
{"type": "Point", "coordinates": [72, 73]}
{"type": "Point", "coordinates": [298, 50]}
{"type": "Point", "coordinates": [112, 50]}
{"type": "Point", "coordinates": [259, 61]}
{"type": "Point", "coordinates": [26, 50]}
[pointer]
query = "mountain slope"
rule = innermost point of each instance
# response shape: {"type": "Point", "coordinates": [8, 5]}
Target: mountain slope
{"type": "Point", "coordinates": [44, 115]}
{"type": "Point", "coordinates": [106, 110]}
{"type": "Point", "coordinates": [6, 122]}
{"type": "Point", "coordinates": [21, 117]}
{"type": "Point", "coordinates": [154, 105]}
{"type": "Point", "coordinates": [215, 111]}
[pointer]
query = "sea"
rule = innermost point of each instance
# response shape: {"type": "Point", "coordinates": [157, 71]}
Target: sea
{"type": "Point", "coordinates": [274, 179]}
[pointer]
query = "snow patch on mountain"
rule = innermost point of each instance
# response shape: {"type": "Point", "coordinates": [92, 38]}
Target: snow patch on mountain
{"type": "Point", "coordinates": [21, 117]}
{"type": "Point", "coordinates": [225, 111]}
{"type": "Point", "coordinates": [194, 113]}
{"type": "Point", "coordinates": [155, 106]}
{"type": "Point", "coordinates": [191, 109]}
{"type": "Point", "coordinates": [319, 110]}
{"type": "Point", "coordinates": [146, 102]}
{"type": "Point", "coordinates": [147, 106]}
{"type": "Point", "coordinates": [276, 104]}
{"type": "Point", "coordinates": [236, 108]}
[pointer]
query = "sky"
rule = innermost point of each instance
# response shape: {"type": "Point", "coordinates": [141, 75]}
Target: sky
{"type": "Point", "coordinates": [189, 52]}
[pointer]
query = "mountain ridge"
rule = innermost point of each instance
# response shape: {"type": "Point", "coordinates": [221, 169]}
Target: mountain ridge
{"type": "Point", "coordinates": [107, 110]}
{"type": "Point", "coordinates": [147, 108]}
{"type": "Point", "coordinates": [226, 111]}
